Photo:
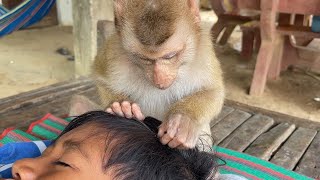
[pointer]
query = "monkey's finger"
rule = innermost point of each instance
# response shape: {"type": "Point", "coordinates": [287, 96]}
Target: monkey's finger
{"type": "Point", "coordinates": [109, 110]}
{"type": "Point", "coordinates": [175, 143]}
{"type": "Point", "coordinates": [173, 127]}
{"type": "Point", "coordinates": [126, 109]}
{"type": "Point", "coordinates": [165, 139]}
{"type": "Point", "coordinates": [162, 130]}
{"type": "Point", "coordinates": [136, 110]}
{"type": "Point", "coordinates": [117, 109]}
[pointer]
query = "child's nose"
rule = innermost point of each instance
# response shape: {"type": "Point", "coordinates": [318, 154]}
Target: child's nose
{"type": "Point", "coordinates": [24, 170]}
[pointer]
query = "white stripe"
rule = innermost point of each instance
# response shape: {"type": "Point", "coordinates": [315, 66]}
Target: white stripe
{"type": "Point", "coordinates": [5, 167]}
{"type": "Point", "coordinates": [41, 146]}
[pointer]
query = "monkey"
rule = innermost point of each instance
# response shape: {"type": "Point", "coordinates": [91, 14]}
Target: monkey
{"type": "Point", "coordinates": [160, 58]}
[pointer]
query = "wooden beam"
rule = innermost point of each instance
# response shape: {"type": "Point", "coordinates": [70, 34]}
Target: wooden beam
{"type": "Point", "coordinates": [86, 14]}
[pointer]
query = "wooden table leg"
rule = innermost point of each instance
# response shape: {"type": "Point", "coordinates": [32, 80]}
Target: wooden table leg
{"type": "Point", "coordinates": [268, 35]}
{"type": "Point", "coordinates": [216, 29]}
{"type": "Point", "coordinates": [227, 33]}
{"type": "Point", "coordinates": [248, 37]}
{"type": "Point", "coordinates": [275, 66]}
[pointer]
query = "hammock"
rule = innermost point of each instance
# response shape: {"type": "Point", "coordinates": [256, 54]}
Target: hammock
{"type": "Point", "coordinates": [24, 15]}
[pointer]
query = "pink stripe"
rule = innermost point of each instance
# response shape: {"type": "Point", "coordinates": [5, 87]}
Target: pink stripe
{"type": "Point", "coordinates": [50, 128]}
{"type": "Point", "coordinates": [20, 137]}
{"type": "Point", "coordinates": [30, 16]}
{"type": "Point", "coordinates": [15, 17]}
{"type": "Point", "coordinates": [256, 166]}
{"type": "Point", "coordinates": [239, 172]}
{"type": "Point", "coordinates": [59, 120]}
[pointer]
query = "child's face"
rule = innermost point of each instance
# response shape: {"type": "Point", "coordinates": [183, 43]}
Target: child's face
{"type": "Point", "coordinates": [76, 155]}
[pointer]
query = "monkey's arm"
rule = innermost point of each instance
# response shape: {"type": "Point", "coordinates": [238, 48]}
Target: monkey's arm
{"type": "Point", "coordinates": [107, 96]}
{"type": "Point", "coordinates": [201, 106]}
{"type": "Point", "coordinates": [190, 117]}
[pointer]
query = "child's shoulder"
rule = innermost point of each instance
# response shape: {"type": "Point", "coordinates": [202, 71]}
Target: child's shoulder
{"type": "Point", "coordinates": [13, 152]}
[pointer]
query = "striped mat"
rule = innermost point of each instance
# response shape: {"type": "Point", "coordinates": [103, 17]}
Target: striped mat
{"type": "Point", "coordinates": [50, 126]}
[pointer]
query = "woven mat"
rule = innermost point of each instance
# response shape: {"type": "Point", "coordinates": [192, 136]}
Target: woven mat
{"type": "Point", "coordinates": [49, 127]}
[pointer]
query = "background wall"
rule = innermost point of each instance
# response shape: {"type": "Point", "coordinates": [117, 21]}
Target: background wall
{"type": "Point", "coordinates": [64, 8]}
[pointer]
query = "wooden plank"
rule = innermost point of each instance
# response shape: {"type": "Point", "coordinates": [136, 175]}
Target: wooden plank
{"type": "Point", "coordinates": [301, 31]}
{"type": "Point", "coordinates": [310, 163]}
{"type": "Point", "coordinates": [42, 95]}
{"type": "Point", "coordinates": [59, 107]}
{"type": "Point", "coordinates": [222, 129]}
{"type": "Point", "coordinates": [278, 117]}
{"type": "Point", "coordinates": [224, 113]}
{"type": "Point", "coordinates": [241, 138]}
{"type": "Point", "coordinates": [43, 91]}
{"type": "Point", "coordinates": [293, 149]}
{"type": "Point", "coordinates": [264, 146]}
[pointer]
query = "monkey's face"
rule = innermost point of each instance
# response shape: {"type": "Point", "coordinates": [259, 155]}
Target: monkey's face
{"type": "Point", "coordinates": [162, 63]}
{"type": "Point", "coordinates": [159, 36]}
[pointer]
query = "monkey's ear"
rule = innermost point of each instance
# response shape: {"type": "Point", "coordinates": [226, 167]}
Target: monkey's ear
{"type": "Point", "coordinates": [81, 105]}
{"type": "Point", "coordinates": [195, 9]}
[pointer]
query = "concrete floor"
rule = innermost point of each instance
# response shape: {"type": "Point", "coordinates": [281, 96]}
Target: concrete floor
{"type": "Point", "coordinates": [28, 61]}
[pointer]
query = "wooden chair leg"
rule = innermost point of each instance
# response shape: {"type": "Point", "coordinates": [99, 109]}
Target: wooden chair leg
{"type": "Point", "coordinates": [216, 29]}
{"type": "Point", "coordinates": [247, 44]}
{"type": "Point", "coordinates": [275, 65]}
{"type": "Point", "coordinates": [262, 67]}
{"type": "Point", "coordinates": [268, 32]}
{"type": "Point", "coordinates": [227, 33]}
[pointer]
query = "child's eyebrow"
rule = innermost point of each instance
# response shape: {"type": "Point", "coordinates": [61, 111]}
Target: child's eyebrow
{"type": "Point", "coordinates": [75, 145]}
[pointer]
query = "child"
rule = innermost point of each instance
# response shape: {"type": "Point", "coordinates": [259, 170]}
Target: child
{"type": "Point", "coordinates": [98, 145]}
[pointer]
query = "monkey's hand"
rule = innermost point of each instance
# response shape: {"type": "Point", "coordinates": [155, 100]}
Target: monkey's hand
{"type": "Point", "coordinates": [179, 131]}
{"type": "Point", "coordinates": [126, 109]}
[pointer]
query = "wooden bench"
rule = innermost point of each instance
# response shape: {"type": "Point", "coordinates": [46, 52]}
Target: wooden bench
{"type": "Point", "coordinates": [287, 141]}
{"type": "Point", "coordinates": [277, 51]}
{"type": "Point", "coordinates": [229, 17]}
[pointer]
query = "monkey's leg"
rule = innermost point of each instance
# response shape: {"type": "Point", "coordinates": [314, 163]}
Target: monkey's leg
{"type": "Point", "coordinates": [81, 104]}
{"type": "Point", "coordinates": [107, 96]}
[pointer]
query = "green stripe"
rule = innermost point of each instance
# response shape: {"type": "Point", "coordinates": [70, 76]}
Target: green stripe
{"type": "Point", "coordinates": [38, 130]}
{"type": "Point", "coordinates": [54, 125]}
{"type": "Point", "coordinates": [6, 140]}
{"type": "Point", "coordinates": [26, 135]}
{"type": "Point", "coordinates": [68, 119]}
{"type": "Point", "coordinates": [255, 160]}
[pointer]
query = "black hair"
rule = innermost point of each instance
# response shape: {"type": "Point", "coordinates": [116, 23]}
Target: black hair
{"type": "Point", "coordinates": [138, 154]}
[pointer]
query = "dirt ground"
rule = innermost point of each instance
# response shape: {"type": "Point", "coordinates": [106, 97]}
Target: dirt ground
{"type": "Point", "coordinates": [28, 61]}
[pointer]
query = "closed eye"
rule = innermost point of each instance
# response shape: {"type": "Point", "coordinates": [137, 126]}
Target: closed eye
{"type": "Point", "coordinates": [170, 55]}
{"type": "Point", "coordinates": [60, 163]}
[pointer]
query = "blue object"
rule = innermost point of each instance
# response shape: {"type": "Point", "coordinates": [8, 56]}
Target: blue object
{"type": "Point", "coordinates": [26, 14]}
{"type": "Point", "coordinates": [315, 27]}
{"type": "Point", "coordinates": [13, 152]}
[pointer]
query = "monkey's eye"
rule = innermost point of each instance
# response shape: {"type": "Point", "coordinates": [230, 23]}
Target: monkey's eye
{"type": "Point", "coordinates": [170, 55]}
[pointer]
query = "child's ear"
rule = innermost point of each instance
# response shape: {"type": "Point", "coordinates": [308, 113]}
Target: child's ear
{"type": "Point", "coordinates": [81, 105]}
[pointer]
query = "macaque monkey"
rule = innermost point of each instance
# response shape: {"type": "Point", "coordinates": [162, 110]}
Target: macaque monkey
{"type": "Point", "coordinates": [160, 59]}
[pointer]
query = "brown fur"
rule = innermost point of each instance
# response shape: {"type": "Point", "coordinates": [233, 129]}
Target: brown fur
{"type": "Point", "coordinates": [154, 20]}
{"type": "Point", "coordinates": [199, 91]}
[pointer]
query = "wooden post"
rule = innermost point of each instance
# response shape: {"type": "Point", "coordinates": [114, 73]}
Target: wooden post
{"type": "Point", "coordinates": [86, 14]}
{"type": "Point", "coordinates": [268, 36]}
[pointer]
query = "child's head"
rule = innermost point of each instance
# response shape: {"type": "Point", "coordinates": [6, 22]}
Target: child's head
{"type": "Point", "coordinates": [98, 146]}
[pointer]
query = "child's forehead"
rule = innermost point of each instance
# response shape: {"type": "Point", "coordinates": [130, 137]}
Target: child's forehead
{"type": "Point", "coordinates": [89, 131]}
